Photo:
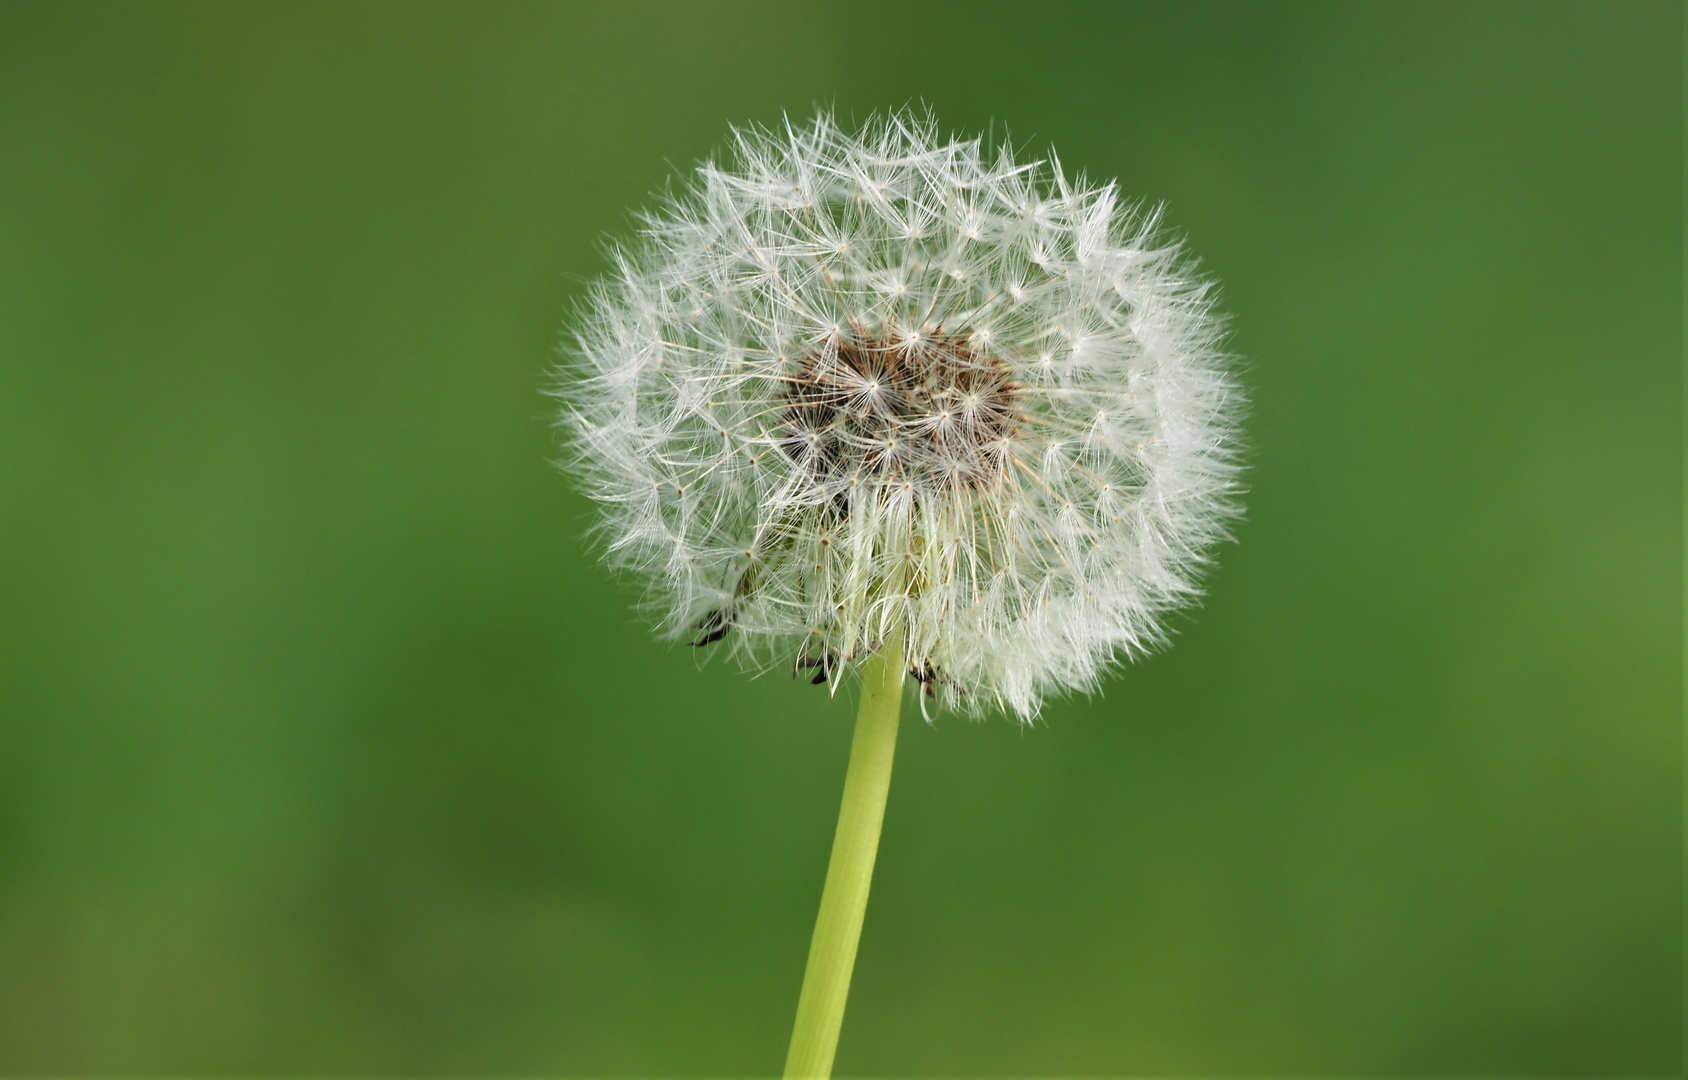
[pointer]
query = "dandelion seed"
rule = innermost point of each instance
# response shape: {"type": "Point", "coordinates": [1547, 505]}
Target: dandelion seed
{"type": "Point", "coordinates": [917, 418]}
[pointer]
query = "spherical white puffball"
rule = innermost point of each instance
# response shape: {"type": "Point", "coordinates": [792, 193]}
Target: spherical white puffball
{"type": "Point", "coordinates": [856, 390]}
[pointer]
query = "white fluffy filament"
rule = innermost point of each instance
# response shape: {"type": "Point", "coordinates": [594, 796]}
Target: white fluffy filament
{"type": "Point", "coordinates": [859, 388]}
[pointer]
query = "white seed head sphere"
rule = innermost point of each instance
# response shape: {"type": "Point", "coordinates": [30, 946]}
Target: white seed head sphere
{"type": "Point", "coordinates": [850, 390]}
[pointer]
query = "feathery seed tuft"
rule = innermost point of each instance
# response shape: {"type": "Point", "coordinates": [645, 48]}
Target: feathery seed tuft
{"type": "Point", "coordinates": [858, 388]}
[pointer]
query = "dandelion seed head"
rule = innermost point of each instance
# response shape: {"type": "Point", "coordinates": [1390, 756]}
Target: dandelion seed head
{"type": "Point", "coordinates": [851, 389]}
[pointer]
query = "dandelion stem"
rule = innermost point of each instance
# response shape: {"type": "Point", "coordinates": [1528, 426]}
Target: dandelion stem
{"type": "Point", "coordinates": [838, 927]}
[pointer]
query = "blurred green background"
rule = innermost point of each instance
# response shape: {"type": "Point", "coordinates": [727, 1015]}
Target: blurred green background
{"type": "Point", "coordinates": [326, 746]}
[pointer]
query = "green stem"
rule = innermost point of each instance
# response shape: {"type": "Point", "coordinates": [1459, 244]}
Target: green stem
{"type": "Point", "coordinates": [838, 927]}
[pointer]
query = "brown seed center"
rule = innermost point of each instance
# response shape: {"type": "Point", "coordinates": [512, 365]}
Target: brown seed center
{"type": "Point", "coordinates": [932, 411]}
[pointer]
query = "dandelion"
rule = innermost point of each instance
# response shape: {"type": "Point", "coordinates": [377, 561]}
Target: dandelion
{"type": "Point", "coordinates": [883, 404]}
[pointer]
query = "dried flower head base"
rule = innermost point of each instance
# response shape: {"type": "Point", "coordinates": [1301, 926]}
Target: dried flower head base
{"type": "Point", "coordinates": [863, 416]}
{"type": "Point", "coordinates": [877, 402]}
{"type": "Point", "coordinates": [926, 410]}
